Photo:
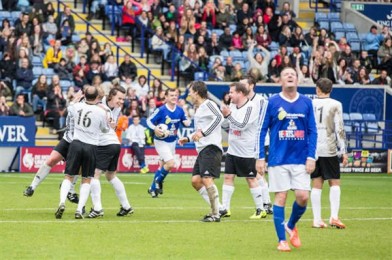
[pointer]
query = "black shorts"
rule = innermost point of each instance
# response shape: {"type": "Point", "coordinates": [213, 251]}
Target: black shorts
{"type": "Point", "coordinates": [242, 167]}
{"type": "Point", "coordinates": [327, 168]}
{"type": "Point", "coordinates": [208, 162]}
{"type": "Point", "coordinates": [81, 155]}
{"type": "Point", "coordinates": [107, 157]}
{"type": "Point", "coordinates": [62, 148]}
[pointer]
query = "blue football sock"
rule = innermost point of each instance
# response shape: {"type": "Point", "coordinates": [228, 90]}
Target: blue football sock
{"type": "Point", "coordinates": [279, 222]}
{"type": "Point", "coordinates": [296, 214]}
{"type": "Point", "coordinates": [142, 165]}
{"type": "Point", "coordinates": [156, 177]}
{"type": "Point", "coordinates": [163, 175]}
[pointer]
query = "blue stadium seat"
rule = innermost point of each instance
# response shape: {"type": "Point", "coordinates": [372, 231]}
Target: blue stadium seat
{"type": "Point", "coordinates": [333, 17]}
{"type": "Point", "coordinates": [372, 125]}
{"type": "Point", "coordinates": [218, 32]}
{"type": "Point", "coordinates": [37, 61]}
{"type": "Point", "coordinates": [324, 24]}
{"type": "Point", "coordinates": [337, 27]}
{"type": "Point", "coordinates": [355, 45]}
{"type": "Point", "coordinates": [352, 36]}
{"type": "Point", "coordinates": [5, 15]}
{"type": "Point", "coordinates": [319, 16]}
{"type": "Point", "coordinates": [200, 76]}
{"type": "Point", "coordinates": [15, 15]}
{"type": "Point", "coordinates": [65, 84]}
{"type": "Point", "coordinates": [339, 35]}
{"type": "Point", "coordinates": [349, 27]}
{"type": "Point", "coordinates": [37, 71]}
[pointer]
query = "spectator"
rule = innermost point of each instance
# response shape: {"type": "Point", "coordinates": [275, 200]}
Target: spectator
{"type": "Point", "coordinates": [94, 49]}
{"type": "Point", "coordinates": [383, 79]}
{"type": "Point", "coordinates": [134, 109]}
{"type": "Point", "coordinates": [24, 43]}
{"type": "Point", "coordinates": [48, 11]}
{"type": "Point", "coordinates": [353, 73]}
{"type": "Point", "coordinates": [386, 32]}
{"type": "Point", "coordinates": [263, 38]}
{"type": "Point", "coordinates": [297, 55]}
{"type": "Point", "coordinates": [5, 91]}
{"type": "Point", "coordinates": [310, 36]}
{"type": "Point", "coordinates": [222, 16]}
{"type": "Point", "coordinates": [110, 69]}
{"type": "Point", "coordinates": [141, 87]}
{"type": "Point", "coordinates": [273, 71]}
{"type": "Point", "coordinates": [247, 38]}
{"type": "Point", "coordinates": [127, 67]}
{"type": "Point", "coordinates": [268, 15]}
{"type": "Point", "coordinates": [20, 107]}
{"type": "Point", "coordinates": [385, 54]}
{"type": "Point", "coordinates": [56, 104]}
{"type": "Point", "coordinates": [348, 56]}
{"type": "Point", "coordinates": [328, 67]}
{"type": "Point", "coordinates": [285, 36]}
{"type": "Point", "coordinates": [237, 73]}
{"type": "Point", "coordinates": [7, 69]}
{"type": "Point", "coordinates": [53, 55]}
{"type": "Point", "coordinates": [187, 23]}
{"type": "Point", "coordinates": [266, 4]}
{"type": "Point", "coordinates": [64, 33]}
{"type": "Point", "coordinates": [156, 87]}
{"type": "Point", "coordinates": [341, 71]}
{"type": "Point", "coordinates": [24, 78]}
{"type": "Point", "coordinates": [213, 48]}
{"type": "Point", "coordinates": [150, 108]}
{"type": "Point", "coordinates": [64, 69]}
{"type": "Point", "coordinates": [363, 76]}
{"type": "Point", "coordinates": [24, 27]}
{"type": "Point", "coordinates": [4, 108]}
{"type": "Point", "coordinates": [258, 61]}
{"type": "Point", "coordinates": [365, 61]}
{"type": "Point", "coordinates": [225, 40]}
{"type": "Point", "coordinates": [37, 41]}
{"type": "Point", "coordinates": [198, 13]}
{"type": "Point", "coordinates": [158, 42]}
{"type": "Point", "coordinates": [172, 33]}
{"type": "Point", "coordinates": [373, 40]}
{"type": "Point", "coordinates": [127, 83]}
{"type": "Point", "coordinates": [203, 59]}
{"type": "Point", "coordinates": [286, 9]}
{"type": "Point", "coordinates": [83, 47]}
{"type": "Point", "coordinates": [287, 20]}
{"type": "Point", "coordinates": [66, 15]}
{"type": "Point", "coordinates": [106, 52]}
{"type": "Point", "coordinates": [237, 41]}
{"type": "Point", "coordinates": [50, 29]}
{"type": "Point", "coordinates": [135, 135]}
{"type": "Point", "coordinates": [275, 27]}
{"type": "Point", "coordinates": [22, 54]}
{"type": "Point", "coordinates": [209, 15]}
{"type": "Point", "coordinates": [39, 93]}
{"type": "Point", "coordinates": [95, 70]}
{"type": "Point", "coordinates": [171, 14]}
{"type": "Point", "coordinates": [243, 13]}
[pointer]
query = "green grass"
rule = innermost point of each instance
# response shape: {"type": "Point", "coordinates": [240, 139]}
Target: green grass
{"type": "Point", "coordinates": [169, 227]}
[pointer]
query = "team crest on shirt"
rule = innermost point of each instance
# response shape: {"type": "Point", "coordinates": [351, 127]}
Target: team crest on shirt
{"type": "Point", "coordinates": [167, 120]}
{"type": "Point", "coordinates": [292, 133]}
{"type": "Point", "coordinates": [282, 113]}
{"type": "Point", "coordinates": [292, 125]}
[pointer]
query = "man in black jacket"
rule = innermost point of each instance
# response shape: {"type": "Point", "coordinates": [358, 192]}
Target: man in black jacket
{"type": "Point", "coordinates": [127, 67]}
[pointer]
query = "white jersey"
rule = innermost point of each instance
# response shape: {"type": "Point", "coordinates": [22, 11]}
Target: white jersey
{"type": "Point", "coordinates": [243, 129]}
{"type": "Point", "coordinates": [69, 132]}
{"type": "Point", "coordinates": [330, 127]}
{"type": "Point", "coordinates": [209, 119]}
{"type": "Point", "coordinates": [109, 137]}
{"type": "Point", "coordinates": [89, 121]}
{"type": "Point", "coordinates": [135, 134]}
{"type": "Point", "coordinates": [261, 104]}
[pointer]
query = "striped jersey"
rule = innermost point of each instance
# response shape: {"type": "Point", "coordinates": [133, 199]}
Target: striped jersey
{"type": "Point", "coordinates": [89, 121]}
{"type": "Point", "coordinates": [330, 128]}
{"type": "Point", "coordinates": [208, 118]}
{"type": "Point", "coordinates": [261, 104]}
{"type": "Point", "coordinates": [293, 132]}
{"type": "Point", "coordinates": [170, 117]}
{"type": "Point", "coordinates": [111, 136]}
{"type": "Point", "coordinates": [243, 124]}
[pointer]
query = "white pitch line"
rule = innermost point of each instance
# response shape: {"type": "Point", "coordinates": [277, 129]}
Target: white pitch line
{"type": "Point", "coordinates": [52, 182]}
{"type": "Point", "coordinates": [164, 221]}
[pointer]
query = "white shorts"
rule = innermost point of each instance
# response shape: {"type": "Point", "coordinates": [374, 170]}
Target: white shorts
{"type": "Point", "coordinates": [165, 150]}
{"type": "Point", "coordinates": [288, 177]}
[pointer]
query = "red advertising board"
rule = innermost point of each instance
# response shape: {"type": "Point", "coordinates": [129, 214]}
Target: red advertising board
{"type": "Point", "coordinates": [31, 159]}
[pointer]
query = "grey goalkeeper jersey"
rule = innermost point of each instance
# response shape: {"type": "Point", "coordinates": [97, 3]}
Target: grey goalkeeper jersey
{"type": "Point", "coordinates": [331, 137]}
{"type": "Point", "coordinates": [209, 119]}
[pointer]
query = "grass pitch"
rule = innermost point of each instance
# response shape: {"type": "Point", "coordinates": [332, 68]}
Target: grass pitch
{"type": "Point", "coordinates": [169, 228]}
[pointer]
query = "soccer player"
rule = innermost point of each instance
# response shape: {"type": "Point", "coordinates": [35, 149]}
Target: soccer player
{"type": "Point", "coordinates": [58, 154]}
{"type": "Point", "coordinates": [331, 136]}
{"type": "Point", "coordinates": [243, 117]}
{"type": "Point", "coordinates": [171, 115]}
{"type": "Point", "coordinates": [89, 121]}
{"type": "Point", "coordinates": [293, 137]}
{"type": "Point", "coordinates": [108, 152]}
{"type": "Point", "coordinates": [260, 103]}
{"type": "Point", "coordinates": [208, 140]}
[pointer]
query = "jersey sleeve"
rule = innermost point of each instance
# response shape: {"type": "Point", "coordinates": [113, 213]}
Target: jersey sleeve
{"type": "Point", "coordinates": [339, 129]}
{"type": "Point", "coordinates": [265, 119]}
{"type": "Point", "coordinates": [216, 122]}
{"type": "Point", "coordinates": [240, 121]}
{"type": "Point", "coordinates": [311, 131]}
{"type": "Point", "coordinates": [153, 119]}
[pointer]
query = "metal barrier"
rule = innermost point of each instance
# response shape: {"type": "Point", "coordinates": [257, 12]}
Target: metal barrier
{"type": "Point", "coordinates": [368, 134]}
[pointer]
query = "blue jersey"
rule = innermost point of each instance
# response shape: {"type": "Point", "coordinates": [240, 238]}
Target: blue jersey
{"type": "Point", "coordinates": [171, 118]}
{"type": "Point", "coordinates": [293, 132]}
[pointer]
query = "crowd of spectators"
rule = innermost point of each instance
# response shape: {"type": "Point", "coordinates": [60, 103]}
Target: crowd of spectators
{"type": "Point", "coordinates": [228, 41]}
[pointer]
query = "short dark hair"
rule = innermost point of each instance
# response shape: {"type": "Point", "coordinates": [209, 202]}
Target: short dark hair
{"type": "Point", "coordinates": [251, 80]}
{"type": "Point", "coordinates": [91, 93]}
{"type": "Point", "coordinates": [325, 85]}
{"type": "Point", "coordinates": [200, 88]}
{"type": "Point", "coordinates": [114, 92]}
{"type": "Point", "coordinates": [239, 87]}
{"type": "Point", "coordinates": [170, 90]}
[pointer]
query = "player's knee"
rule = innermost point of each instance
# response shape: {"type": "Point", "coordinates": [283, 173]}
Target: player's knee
{"type": "Point", "coordinates": [229, 178]}
{"type": "Point", "coordinates": [169, 165]}
{"type": "Point", "coordinates": [110, 175]}
{"type": "Point", "coordinates": [196, 183]}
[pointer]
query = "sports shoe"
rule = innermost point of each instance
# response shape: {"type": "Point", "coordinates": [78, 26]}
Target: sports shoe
{"type": "Point", "coordinates": [336, 223]}
{"type": "Point", "coordinates": [259, 214]}
{"type": "Point", "coordinates": [159, 186]}
{"type": "Point", "coordinates": [210, 218]}
{"type": "Point", "coordinates": [268, 208]}
{"type": "Point", "coordinates": [28, 192]}
{"type": "Point", "coordinates": [319, 224]}
{"type": "Point", "coordinates": [294, 237]}
{"type": "Point", "coordinates": [283, 246]}
{"type": "Point", "coordinates": [60, 211]}
{"type": "Point", "coordinates": [94, 213]}
{"type": "Point", "coordinates": [73, 197]}
{"type": "Point", "coordinates": [224, 213]}
{"type": "Point", "coordinates": [144, 170]}
{"type": "Point", "coordinates": [153, 193]}
{"type": "Point", "coordinates": [123, 212]}
{"type": "Point", "coordinates": [78, 215]}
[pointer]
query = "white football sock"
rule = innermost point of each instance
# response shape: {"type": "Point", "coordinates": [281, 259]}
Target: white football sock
{"type": "Point", "coordinates": [213, 194]}
{"type": "Point", "coordinates": [120, 192]}
{"type": "Point", "coordinates": [315, 198]}
{"type": "Point", "coordinates": [40, 176]}
{"type": "Point", "coordinates": [65, 185]}
{"type": "Point", "coordinates": [257, 198]}
{"type": "Point", "coordinates": [95, 192]}
{"type": "Point", "coordinates": [75, 179]}
{"type": "Point", "coordinates": [264, 190]}
{"type": "Point", "coordinates": [334, 199]}
{"type": "Point", "coordinates": [84, 192]}
{"type": "Point", "coordinates": [227, 192]}
{"type": "Point", "coordinates": [204, 194]}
